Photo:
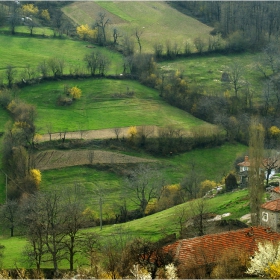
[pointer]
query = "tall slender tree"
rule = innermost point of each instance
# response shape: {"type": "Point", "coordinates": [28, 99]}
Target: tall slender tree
{"type": "Point", "coordinates": [256, 176]}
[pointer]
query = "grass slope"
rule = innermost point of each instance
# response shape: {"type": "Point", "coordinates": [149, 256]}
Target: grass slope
{"type": "Point", "coordinates": [212, 164]}
{"type": "Point", "coordinates": [20, 51]}
{"type": "Point", "coordinates": [154, 226]}
{"type": "Point", "coordinates": [158, 21]}
{"type": "Point", "coordinates": [99, 107]}
{"type": "Point", "coordinates": [165, 222]}
{"type": "Point", "coordinates": [206, 71]}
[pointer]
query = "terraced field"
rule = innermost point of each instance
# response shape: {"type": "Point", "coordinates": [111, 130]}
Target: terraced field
{"type": "Point", "coordinates": [154, 20]}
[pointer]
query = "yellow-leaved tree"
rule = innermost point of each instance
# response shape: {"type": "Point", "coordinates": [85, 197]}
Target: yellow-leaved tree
{"type": "Point", "coordinates": [29, 9]}
{"type": "Point", "coordinates": [273, 270]}
{"type": "Point", "coordinates": [171, 195]}
{"type": "Point", "coordinates": [132, 132]}
{"type": "Point", "coordinates": [274, 132]}
{"type": "Point", "coordinates": [206, 186]}
{"type": "Point", "coordinates": [75, 92]}
{"type": "Point", "coordinates": [85, 32]}
{"type": "Point", "coordinates": [36, 176]}
{"type": "Point", "coordinates": [45, 15]}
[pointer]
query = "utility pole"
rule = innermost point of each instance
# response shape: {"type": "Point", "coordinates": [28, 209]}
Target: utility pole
{"type": "Point", "coordinates": [100, 209]}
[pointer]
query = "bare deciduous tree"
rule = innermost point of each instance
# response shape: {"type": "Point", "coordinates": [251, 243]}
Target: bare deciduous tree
{"type": "Point", "coordinates": [116, 35]}
{"type": "Point", "coordinates": [270, 162]}
{"type": "Point", "coordinates": [199, 209]}
{"type": "Point", "coordinates": [10, 75]}
{"type": "Point", "coordinates": [138, 35]}
{"type": "Point", "coordinates": [236, 71]}
{"type": "Point", "coordinates": [101, 24]}
{"type": "Point", "coordinates": [145, 184]}
{"type": "Point", "coordinates": [117, 131]}
{"type": "Point", "coordinates": [9, 215]}
{"type": "Point", "coordinates": [190, 183]}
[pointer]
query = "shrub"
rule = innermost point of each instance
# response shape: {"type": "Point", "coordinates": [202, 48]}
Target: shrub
{"type": "Point", "coordinates": [5, 98]}
{"type": "Point", "coordinates": [75, 92]}
{"type": "Point", "coordinates": [36, 175]}
{"type": "Point", "coordinates": [231, 182]}
{"type": "Point", "coordinates": [206, 186]}
{"type": "Point", "coordinates": [132, 132]}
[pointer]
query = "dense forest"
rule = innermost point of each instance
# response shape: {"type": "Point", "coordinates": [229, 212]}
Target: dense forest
{"type": "Point", "coordinates": [256, 22]}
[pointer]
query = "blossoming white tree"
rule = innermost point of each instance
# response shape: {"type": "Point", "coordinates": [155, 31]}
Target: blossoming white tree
{"type": "Point", "coordinates": [171, 271]}
{"type": "Point", "coordinates": [268, 253]}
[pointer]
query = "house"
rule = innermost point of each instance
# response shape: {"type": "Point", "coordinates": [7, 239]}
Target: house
{"type": "Point", "coordinates": [243, 171]}
{"type": "Point", "coordinates": [274, 193]}
{"type": "Point", "coordinates": [207, 250]}
{"type": "Point", "coordinates": [268, 168]}
{"type": "Point", "coordinates": [270, 214]}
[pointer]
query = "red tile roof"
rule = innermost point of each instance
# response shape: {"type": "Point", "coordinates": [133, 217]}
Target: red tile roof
{"type": "Point", "coordinates": [246, 162]}
{"type": "Point", "coordinates": [208, 248]}
{"type": "Point", "coordinates": [273, 205]}
{"type": "Point", "coordinates": [267, 161]}
{"type": "Point", "coordinates": [276, 189]}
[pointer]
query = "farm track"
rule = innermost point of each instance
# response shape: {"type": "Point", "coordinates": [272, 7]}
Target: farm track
{"type": "Point", "coordinates": [98, 134]}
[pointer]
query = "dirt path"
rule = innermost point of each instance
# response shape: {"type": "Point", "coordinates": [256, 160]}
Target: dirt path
{"type": "Point", "coordinates": [53, 159]}
{"type": "Point", "coordinates": [99, 134]}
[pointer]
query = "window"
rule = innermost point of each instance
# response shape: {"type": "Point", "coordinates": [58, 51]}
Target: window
{"type": "Point", "coordinates": [264, 217]}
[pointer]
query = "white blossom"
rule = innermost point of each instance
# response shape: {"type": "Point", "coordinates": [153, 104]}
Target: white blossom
{"type": "Point", "coordinates": [171, 271]}
{"type": "Point", "coordinates": [267, 253]}
{"type": "Point", "coordinates": [140, 273]}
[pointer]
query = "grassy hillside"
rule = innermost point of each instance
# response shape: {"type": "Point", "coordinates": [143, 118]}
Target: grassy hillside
{"type": "Point", "coordinates": [20, 51]}
{"type": "Point", "coordinates": [157, 21]}
{"type": "Point", "coordinates": [104, 104]}
{"type": "Point", "coordinates": [155, 226]}
{"type": "Point", "coordinates": [206, 71]}
{"type": "Point", "coordinates": [212, 164]}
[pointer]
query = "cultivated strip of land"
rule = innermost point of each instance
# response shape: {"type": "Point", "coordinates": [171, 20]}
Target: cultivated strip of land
{"type": "Point", "coordinates": [53, 159]}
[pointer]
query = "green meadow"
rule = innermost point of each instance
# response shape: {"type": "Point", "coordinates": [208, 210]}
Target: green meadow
{"type": "Point", "coordinates": [206, 71]}
{"type": "Point", "coordinates": [212, 164]}
{"type": "Point", "coordinates": [155, 226]}
{"type": "Point", "coordinates": [24, 30]}
{"type": "Point", "coordinates": [21, 51]}
{"type": "Point", "coordinates": [104, 104]}
{"type": "Point", "coordinates": [153, 19]}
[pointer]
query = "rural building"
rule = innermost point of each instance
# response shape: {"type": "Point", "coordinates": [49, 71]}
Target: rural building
{"type": "Point", "coordinates": [270, 214]}
{"type": "Point", "coordinates": [244, 168]}
{"type": "Point", "coordinates": [207, 250]}
{"type": "Point", "coordinates": [274, 193]}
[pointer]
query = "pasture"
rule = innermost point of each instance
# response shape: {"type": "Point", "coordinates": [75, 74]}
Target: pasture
{"type": "Point", "coordinates": [104, 103]}
{"type": "Point", "coordinates": [212, 164]}
{"type": "Point", "coordinates": [154, 20]}
{"type": "Point", "coordinates": [22, 51]}
{"type": "Point", "coordinates": [206, 71]}
{"type": "Point", "coordinates": [154, 226]}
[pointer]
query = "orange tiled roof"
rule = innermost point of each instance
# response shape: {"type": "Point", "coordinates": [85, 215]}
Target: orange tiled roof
{"type": "Point", "coordinates": [273, 205]}
{"type": "Point", "coordinates": [208, 248]}
{"type": "Point", "coordinates": [246, 162]}
{"type": "Point", "coordinates": [276, 189]}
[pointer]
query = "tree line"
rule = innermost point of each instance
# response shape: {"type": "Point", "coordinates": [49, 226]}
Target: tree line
{"type": "Point", "coordinates": [252, 23]}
